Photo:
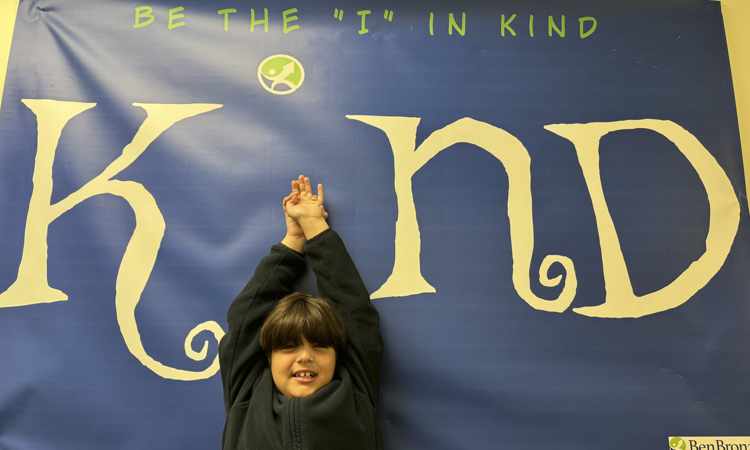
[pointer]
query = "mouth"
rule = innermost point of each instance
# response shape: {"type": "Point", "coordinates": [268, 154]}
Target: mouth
{"type": "Point", "coordinates": [304, 376]}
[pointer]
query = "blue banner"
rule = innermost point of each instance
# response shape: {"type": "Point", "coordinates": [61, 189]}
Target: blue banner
{"type": "Point", "coordinates": [545, 199]}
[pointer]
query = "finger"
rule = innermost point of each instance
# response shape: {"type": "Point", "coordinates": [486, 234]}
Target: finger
{"type": "Point", "coordinates": [301, 188]}
{"type": "Point", "coordinates": [286, 199]}
{"type": "Point", "coordinates": [308, 188]}
{"type": "Point", "coordinates": [321, 193]}
{"type": "Point", "coordinates": [295, 186]}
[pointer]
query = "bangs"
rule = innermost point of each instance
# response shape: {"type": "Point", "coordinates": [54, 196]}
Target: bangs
{"type": "Point", "coordinates": [299, 323]}
{"type": "Point", "coordinates": [297, 316]}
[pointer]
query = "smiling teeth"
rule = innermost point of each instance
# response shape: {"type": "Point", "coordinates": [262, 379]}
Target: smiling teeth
{"type": "Point", "coordinates": [304, 374]}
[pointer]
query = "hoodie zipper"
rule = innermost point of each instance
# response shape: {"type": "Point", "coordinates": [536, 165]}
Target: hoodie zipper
{"type": "Point", "coordinates": [295, 424]}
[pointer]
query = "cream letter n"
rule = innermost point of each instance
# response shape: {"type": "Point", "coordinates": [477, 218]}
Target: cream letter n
{"type": "Point", "coordinates": [406, 277]}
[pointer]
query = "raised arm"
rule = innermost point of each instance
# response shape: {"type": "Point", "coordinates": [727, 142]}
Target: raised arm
{"type": "Point", "coordinates": [240, 356]}
{"type": "Point", "coordinates": [339, 281]}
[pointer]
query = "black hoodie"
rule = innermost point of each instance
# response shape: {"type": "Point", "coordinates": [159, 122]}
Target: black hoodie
{"type": "Point", "coordinates": [341, 415]}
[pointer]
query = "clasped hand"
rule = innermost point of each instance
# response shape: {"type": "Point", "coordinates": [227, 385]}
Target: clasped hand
{"type": "Point", "coordinates": [304, 213]}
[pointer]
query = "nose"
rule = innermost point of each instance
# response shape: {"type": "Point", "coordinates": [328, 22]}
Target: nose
{"type": "Point", "coordinates": [305, 354]}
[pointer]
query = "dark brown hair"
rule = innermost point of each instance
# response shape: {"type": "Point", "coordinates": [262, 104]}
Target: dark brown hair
{"type": "Point", "coordinates": [301, 315]}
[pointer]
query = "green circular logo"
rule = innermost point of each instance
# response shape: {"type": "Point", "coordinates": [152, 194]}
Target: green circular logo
{"type": "Point", "coordinates": [281, 74]}
{"type": "Point", "coordinates": [677, 443]}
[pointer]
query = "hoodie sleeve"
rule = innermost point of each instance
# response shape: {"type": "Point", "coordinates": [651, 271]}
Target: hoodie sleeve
{"type": "Point", "coordinates": [240, 355]}
{"type": "Point", "coordinates": [339, 281]}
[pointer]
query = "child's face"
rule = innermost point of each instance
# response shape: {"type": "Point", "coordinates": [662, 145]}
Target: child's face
{"type": "Point", "coordinates": [300, 371]}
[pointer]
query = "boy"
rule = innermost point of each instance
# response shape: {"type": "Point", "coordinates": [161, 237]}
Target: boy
{"type": "Point", "coordinates": [302, 373]}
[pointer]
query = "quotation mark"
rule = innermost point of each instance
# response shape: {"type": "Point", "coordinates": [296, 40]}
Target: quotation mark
{"type": "Point", "coordinates": [338, 14]}
{"type": "Point", "coordinates": [388, 15]}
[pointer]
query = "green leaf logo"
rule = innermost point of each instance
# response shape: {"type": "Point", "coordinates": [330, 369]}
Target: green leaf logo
{"type": "Point", "coordinates": [281, 74]}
